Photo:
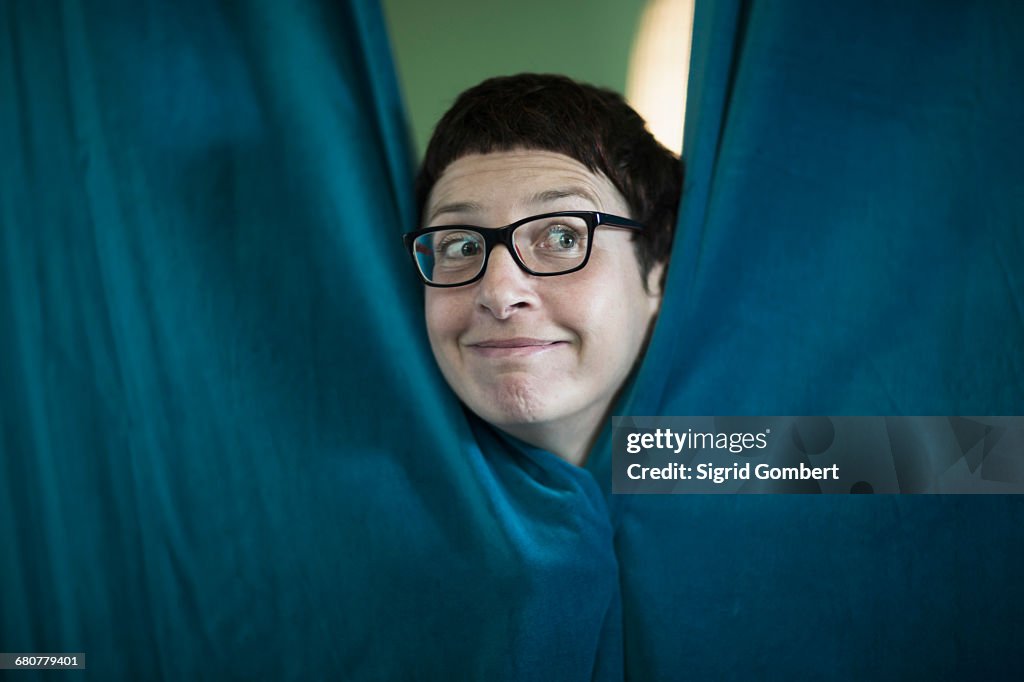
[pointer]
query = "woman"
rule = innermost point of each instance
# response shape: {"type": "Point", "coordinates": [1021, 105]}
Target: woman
{"type": "Point", "coordinates": [547, 213]}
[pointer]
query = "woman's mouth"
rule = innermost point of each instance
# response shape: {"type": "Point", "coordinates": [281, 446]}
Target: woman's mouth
{"type": "Point", "coordinates": [514, 347]}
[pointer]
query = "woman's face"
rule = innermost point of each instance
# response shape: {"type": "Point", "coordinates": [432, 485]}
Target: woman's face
{"type": "Point", "coordinates": [525, 352]}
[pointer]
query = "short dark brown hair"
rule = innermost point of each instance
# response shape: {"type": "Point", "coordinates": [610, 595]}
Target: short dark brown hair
{"type": "Point", "coordinates": [591, 125]}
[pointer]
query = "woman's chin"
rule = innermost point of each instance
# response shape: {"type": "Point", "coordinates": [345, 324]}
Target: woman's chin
{"type": "Point", "coordinates": [514, 400]}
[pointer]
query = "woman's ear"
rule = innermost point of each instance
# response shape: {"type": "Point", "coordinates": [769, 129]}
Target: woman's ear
{"type": "Point", "coordinates": [653, 284]}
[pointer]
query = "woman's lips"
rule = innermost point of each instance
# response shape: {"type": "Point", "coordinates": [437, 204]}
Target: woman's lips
{"type": "Point", "coordinates": [503, 348]}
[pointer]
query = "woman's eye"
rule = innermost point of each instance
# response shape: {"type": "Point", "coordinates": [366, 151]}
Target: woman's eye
{"type": "Point", "coordinates": [562, 237]}
{"type": "Point", "coordinates": [460, 246]}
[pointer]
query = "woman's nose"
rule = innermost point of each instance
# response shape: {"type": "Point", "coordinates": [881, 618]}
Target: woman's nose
{"type": "Point", "coordinates": [505, 288]}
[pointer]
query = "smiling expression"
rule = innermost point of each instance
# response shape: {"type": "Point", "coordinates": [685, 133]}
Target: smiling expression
{"type": "Point", "coordinates": [540, 357]}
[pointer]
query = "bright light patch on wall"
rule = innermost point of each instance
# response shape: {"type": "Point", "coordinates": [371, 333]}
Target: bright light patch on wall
{"type": "Point", "coordinates": [658, 68]}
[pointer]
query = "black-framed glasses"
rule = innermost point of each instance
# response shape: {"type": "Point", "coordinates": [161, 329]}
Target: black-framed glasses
{"type": "Point", "coordinates": [543, 245]}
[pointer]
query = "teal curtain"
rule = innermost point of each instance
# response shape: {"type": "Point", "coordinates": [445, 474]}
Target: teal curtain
{"type": "Point", "coordinates": [851, 243]}
{"type": "Point", "coordinates": [226, 451]}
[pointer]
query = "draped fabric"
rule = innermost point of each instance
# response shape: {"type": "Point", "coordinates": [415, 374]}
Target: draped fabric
{"type": "Point", "coordinates": [851, 241]}
{"type": "Point", "coordinates": [226, 451]}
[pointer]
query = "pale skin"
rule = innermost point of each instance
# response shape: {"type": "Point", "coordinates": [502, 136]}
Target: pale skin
{"type": "Point", "coordinates": [541, 358]}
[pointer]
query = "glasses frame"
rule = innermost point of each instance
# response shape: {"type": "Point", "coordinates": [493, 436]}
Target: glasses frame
{"type": "Point", "coordinates": [493, 236]}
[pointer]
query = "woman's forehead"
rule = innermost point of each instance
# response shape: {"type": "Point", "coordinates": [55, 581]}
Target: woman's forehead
{"type": "Point", "coordinates": [520, 180]}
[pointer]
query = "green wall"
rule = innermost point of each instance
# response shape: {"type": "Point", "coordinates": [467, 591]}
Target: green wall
{"type": "Point", "coordinates": [441, 48]}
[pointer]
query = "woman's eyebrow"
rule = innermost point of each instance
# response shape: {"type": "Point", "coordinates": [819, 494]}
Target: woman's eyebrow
{"type": "Point", "coordinates": [455, 207]}
{"type": "Point", "coordinates": [550, 195]}
{"type": "Point", "coordinates": [543, 197]}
